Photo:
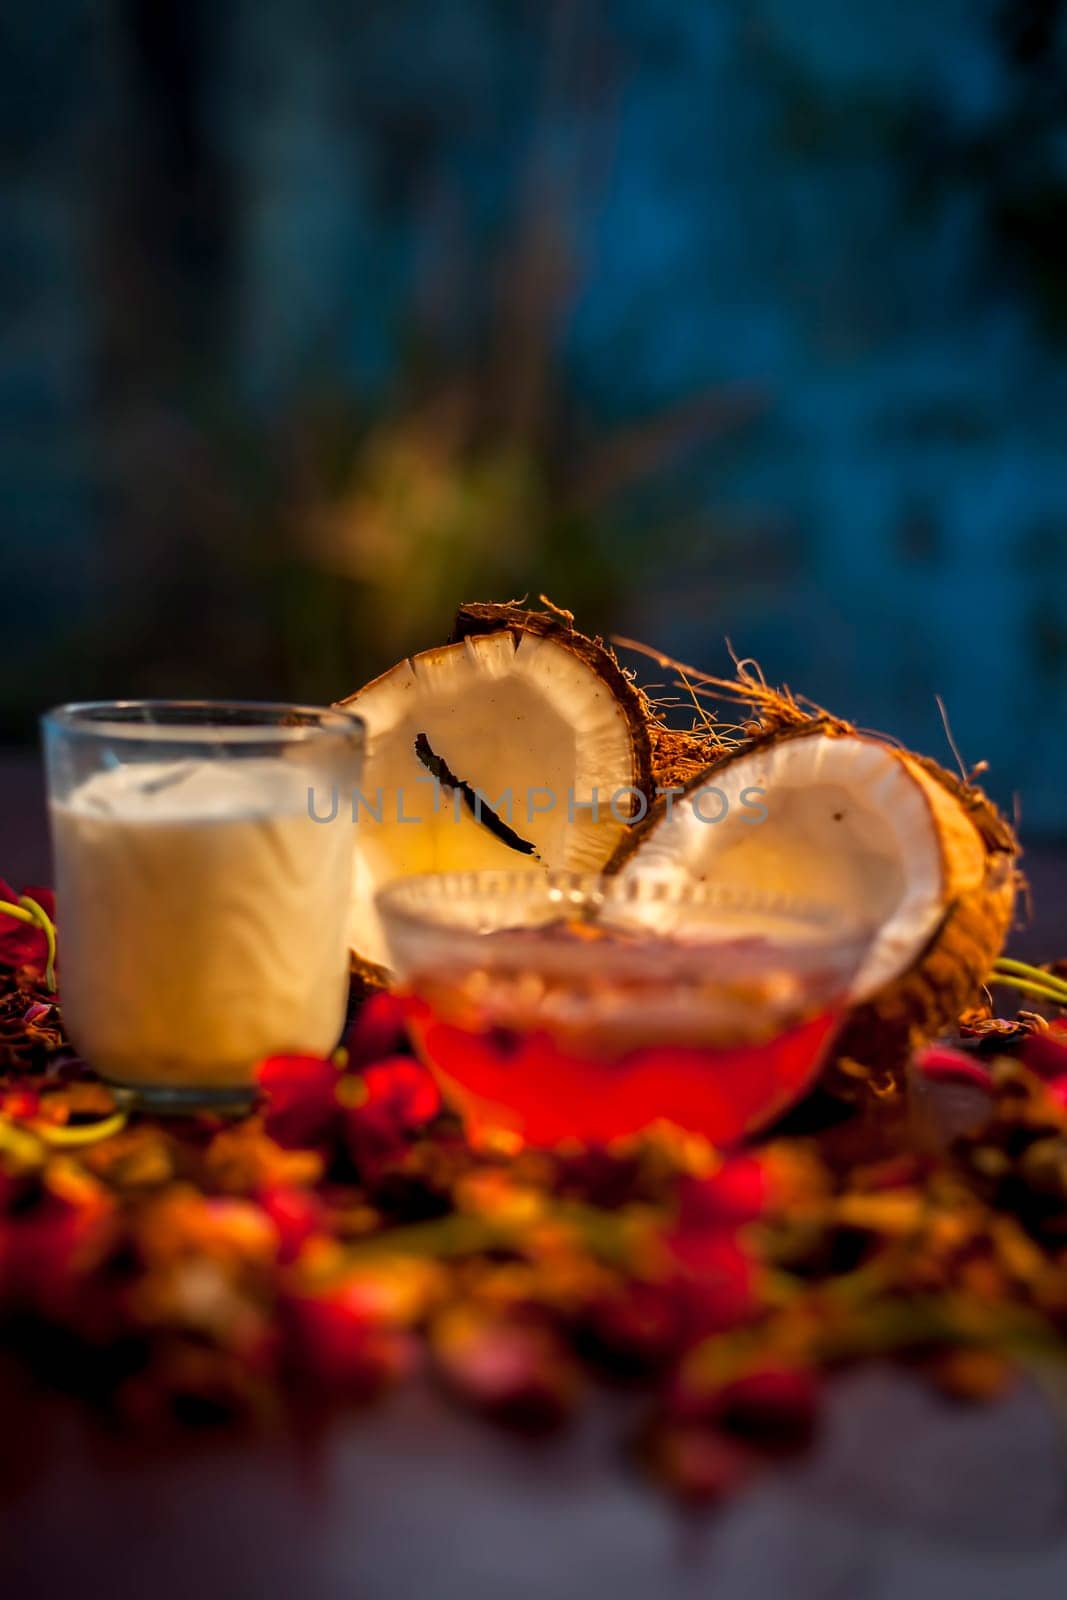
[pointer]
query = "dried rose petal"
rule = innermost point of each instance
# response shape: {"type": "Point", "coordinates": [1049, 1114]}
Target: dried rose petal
{"type": "Point", "coordinates": [46, 1249]}
{"type": "Point", "coordinates": [518, 1373]}
{"type": "Point", "coordinates": [377, 1031]}
{"type": "Point", "coordinates": [20, 1103]}
{"type": "Point", "coordinates": [939, 1063]}
{"type": "Point", "coordinates": [403, 1088]}
{"type": "Point", "coordinates": [714, 1280]}
{"type": "Point", "coordinates": [638, 1329]}
{"type": "Point", "coordinates": [774, 1407]}
{"type": "Point", "coordinates": [1057, 1088]}
{"type": "Point", "coordinates": [1046, 1053]}
{"type": "Point", "coordinates": [338, 1340]}
{"type": "Point", "coordinates": [296, 1214]}
{"type": "Point", "coordinates": [979, 1023]}
{"type": "Point", "coordinates": [301, 1095]}
{"type": "Point", "coordinates": [737, 1193]}
{"type": "Point", "coordinates": [384, 1106]}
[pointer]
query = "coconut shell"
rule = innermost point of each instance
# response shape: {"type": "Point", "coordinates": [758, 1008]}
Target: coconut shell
{"type": "Point", "coordinates": [979, 852]}
{"type": "Point", "coordinates": [668, 757]}
{"type": "Point", "coordinates": [477, 617]}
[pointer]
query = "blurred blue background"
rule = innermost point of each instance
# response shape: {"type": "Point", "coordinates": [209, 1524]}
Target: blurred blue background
{"type": "Point", "coordinates": [709, 318]}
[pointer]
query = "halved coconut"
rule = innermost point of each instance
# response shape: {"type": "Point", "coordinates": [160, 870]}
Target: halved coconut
{"type": "Point", "coordinates": [920, 865]}
{"type": "Point", "coordinates": [521, 743]}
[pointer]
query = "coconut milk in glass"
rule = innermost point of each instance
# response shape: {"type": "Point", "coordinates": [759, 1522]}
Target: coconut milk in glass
{"type": "Point", "coordinates": [201, 908]}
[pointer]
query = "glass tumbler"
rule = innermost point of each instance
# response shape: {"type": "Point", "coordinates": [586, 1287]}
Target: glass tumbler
{"type": "Point", "coordinates": [202, 905]}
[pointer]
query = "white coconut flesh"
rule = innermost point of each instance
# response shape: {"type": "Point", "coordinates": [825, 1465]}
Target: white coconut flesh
{"type": "Point", "coordinates": [849, 827]}
{"type": "Point", "coordinates": [526, 727]}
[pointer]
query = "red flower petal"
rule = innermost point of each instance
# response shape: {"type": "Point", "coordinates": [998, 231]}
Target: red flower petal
{"type": "Point", "coordinates": [404, 1088]}
{"type": "Point", "coordinates": [301, 1099]}
{"type": "Point", "coordinates": [296, 1215]}
{"type": "Point", "coordinates": [774, 1407]}
{"type": "Point", "coordinates": [20, 1104]}
{"type": "Point", "coordinates": [399, 1096]}
{"type": "Point", "coordinates": [1057, 1088]}
{"type": "Point", "coordinates": [638, 1328]}
{"type": "Point", "coordinates": [736, 1194]}
{"type": "Point", "coordinates": [521, 1374]}
{"type": "Point", "coordinates": [1046, 1053]}
{"type": "Point", "coordinates": [377, 1031]}
{"type": "Point", "coordinates": [46, 1251]}
{"type": "Point", "coordinates": [340, 1342]}
{"type": "Point", "coordinates": [714, 1281]}
{"type": "Point", "coordinates": [939, 1063]}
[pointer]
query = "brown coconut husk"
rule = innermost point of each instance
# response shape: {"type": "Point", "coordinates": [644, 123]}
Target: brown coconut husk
{"type": "Point", "coordinates": [948, 975]}
{"type": "Point", "coordinates": [366, 977]}
{"type": "Point", "coordinates": [679, 754]}
{"type": "Point", "coordinates": [668, 756]}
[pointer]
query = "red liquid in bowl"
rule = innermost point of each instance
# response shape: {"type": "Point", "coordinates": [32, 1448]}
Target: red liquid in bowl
{"type": "Point", "coordinates": [538, 1084]}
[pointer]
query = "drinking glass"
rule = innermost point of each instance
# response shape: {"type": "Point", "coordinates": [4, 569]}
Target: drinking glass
{"type": "Point", "coordinates": [201, 902]}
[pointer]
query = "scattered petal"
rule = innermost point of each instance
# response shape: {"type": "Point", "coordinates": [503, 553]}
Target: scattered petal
{"type": "Point", "coordinates": [301, 1099]}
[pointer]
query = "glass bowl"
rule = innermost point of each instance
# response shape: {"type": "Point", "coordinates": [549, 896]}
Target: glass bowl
{"type": "Point", "coordinates": [563, 1006]}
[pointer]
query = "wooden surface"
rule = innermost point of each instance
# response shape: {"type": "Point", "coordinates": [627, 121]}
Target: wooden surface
{"type": "Point", "coordinates": [906, 1496]}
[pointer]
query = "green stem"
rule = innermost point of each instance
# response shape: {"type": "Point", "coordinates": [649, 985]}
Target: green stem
{"type": "Point", "coordinates": [1005, 966]}
{"type": "Point", "coordinates": [49, 929]}
{"type": "Point", "coordinates": [610, 1236]}
{"type": "Point", "coordinates": [1041, 990]}
{"type": "Point", "coordinates": [67, 1136]}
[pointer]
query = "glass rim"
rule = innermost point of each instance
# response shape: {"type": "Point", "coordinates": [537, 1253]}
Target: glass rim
{"type": "Point", "coordinates": [593, 889]}
{"type": "Point", "coordinates": [254, 721]}
{"type": "Point", "coordinates": [438, 923]}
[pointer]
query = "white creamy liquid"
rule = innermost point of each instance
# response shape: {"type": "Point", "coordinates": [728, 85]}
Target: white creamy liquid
{"type": "Point", "coordinates": [202, 919]}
